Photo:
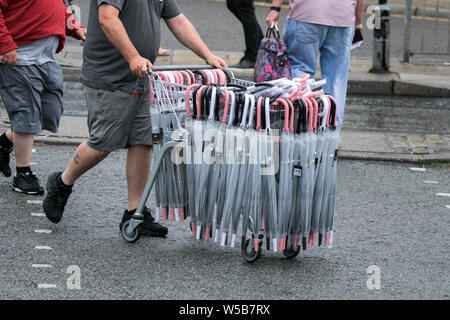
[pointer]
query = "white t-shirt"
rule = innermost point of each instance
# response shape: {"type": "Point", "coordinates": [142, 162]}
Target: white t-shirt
{"type": "Point", "coordinates": [38, 52]}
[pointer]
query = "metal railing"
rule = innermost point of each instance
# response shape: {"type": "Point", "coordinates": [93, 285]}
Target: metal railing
{"type": "Point", "coordinates": [429, 20]}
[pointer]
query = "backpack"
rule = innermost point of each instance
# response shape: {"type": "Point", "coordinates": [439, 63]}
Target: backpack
{"type": "Point", "coordinates": [272, 60]}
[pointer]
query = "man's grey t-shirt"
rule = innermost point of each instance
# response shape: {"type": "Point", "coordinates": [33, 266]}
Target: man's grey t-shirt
{"type": "Point", "coordinates": [104, 67]}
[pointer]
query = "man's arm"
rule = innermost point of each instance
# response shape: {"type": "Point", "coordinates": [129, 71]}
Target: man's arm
{"type": "Point", "coordinates": [185, 32]}
{"type": "Point", "coordinates": [8, 47]}
{"type": "Point", "coordinates": [359, 13]}
{"type": "Point", "coordinates": [114, 30]}
{"type": "Point", "coordinates": [273, 14]}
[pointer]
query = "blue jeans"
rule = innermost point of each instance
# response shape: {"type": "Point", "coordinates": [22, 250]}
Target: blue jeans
{"type": "Point", "coordinates": [305, 41]}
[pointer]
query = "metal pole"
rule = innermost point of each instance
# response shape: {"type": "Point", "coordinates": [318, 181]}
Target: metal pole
{"type": "Point", "coordinates": [381, 50]}
{"type": "Point", "coordinates": [407, 36]}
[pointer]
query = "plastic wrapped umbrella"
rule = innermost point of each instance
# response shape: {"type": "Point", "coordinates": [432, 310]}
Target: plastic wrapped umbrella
{"type": "Point", "coordinates": [320, 169]}
{"type": "Point", "coordinates": [189, 126]}
{"type": "Point", "coordinates": [228, 156]}
{"type": "Point", "coordinates": [218, 160]}
{"type": "Point", "coordinates": [197, 149]}
{"type": "Point", "coordinates": [285, 181]}
{"type": "Point", "coordinates": [335, 140]}
{"type": "Point", "coordinates": [245, 186]}
{"type": "Point", "coordinates": [299, 171]}
{"type": "Point", "coordinates": [327, 188]}
{"type": "Point", "coordinates": [208, 125]}
{"type": "Point", "coordinates": [268, 158]}
{"type": "Point", "coordinates": [236, 172]}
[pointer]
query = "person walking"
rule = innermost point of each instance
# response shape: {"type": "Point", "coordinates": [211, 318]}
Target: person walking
{"type": "Point", "coordinates": [244, 10]}
{"type": "Point", "coordinates": [321, 27]}
{"type": "Point", "coordinates": [31, 82]}
{"type": "Point", "coordinates": [120, 48]}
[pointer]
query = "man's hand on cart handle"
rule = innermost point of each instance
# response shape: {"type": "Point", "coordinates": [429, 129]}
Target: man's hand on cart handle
{"type": "Point", "coordinates": [10, 57]}
{"type": "Point", "coordinates": [139, 66]}
{"type": "Point", "coordinates": [216, 62]}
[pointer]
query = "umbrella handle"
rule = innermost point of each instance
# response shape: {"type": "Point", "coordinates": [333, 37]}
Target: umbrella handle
{"type": "Point", "coordinates": [188, 100]}
{"type": "Point", "coordinates": [291, 116]}
{"type": "Point", "coordinates": [199, 100]}
{"type": "Point", "coordinates": [258, 113]}
{"type": "Point", "coordinates": [286, 111]}
{"type": "Point", "coordinates": [252, 111]}
{"type": "Point", "coordinates": [233, 104]}
{"type": "Point", "coordinates": [227, 105]}
{"type": "Point", "coordinates": [310, 111]}
{"type": "Point", "coordinates": [333, 101]}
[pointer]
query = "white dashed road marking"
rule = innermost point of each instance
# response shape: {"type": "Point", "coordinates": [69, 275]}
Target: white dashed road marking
{"type": "Point", "coordinates": [46, 286]}
{"type": "Point", "coordinates": [448, 206]}
{"type": "Point", "coordinates": [42, 231]}
{"type": "Point", "coordinates": [42, 248]}
{"type": "Point", "coordinates": [41, 266]}
{"type": "Point", "coordinates": [417, 169]}
{"type": "Point", "coordinates": [430, 182]}
{"type": "Point", "coordinates": [443, 194]}
{"type": "Point", "coordinates": [37, 214]}
{"type": "Point", "coordinates": [34, 201]}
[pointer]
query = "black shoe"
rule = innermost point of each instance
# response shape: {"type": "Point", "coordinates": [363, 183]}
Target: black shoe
{"type": "Point", "coordinates": [5, 169]}
{"type": "Point", "coordinates": [27, 183]}
{"type": "Point", "coordinates": [149, 226]}
{"type": "Point", "coordinates": [244, 63]}
{"type": "Point", "coordinates": [56, 198]}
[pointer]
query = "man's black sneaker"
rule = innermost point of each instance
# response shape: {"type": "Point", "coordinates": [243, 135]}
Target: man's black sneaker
{"type": "Point", "coordinates": [27, 183]}
{"type": "Point", "coordinates": [56, 198]}
{"type": "Point", "coordinates": [149, 226]}
{"type": "Point", "coordinates": [5, 169]}
{"type": "Point", "coordinates": [244, 63]}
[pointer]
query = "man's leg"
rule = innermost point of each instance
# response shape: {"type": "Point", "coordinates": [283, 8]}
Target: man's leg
{"type": "Point", "coordinates": [137, 168]}
{"type": "Point", "coordinates": [302, 42]}
{"type": "Point", "coordinates": [59, 184]}
{"type": "Point", "coordinates": [6, 146]}
{"type": "Point", "coordinates": [23, 146]}
{"type": "Point", "coordinates": [334, 65]}
{"type": "Point", "coordinates": [84, 159]}
{"type": "Point", "coordinates": [244, 10]}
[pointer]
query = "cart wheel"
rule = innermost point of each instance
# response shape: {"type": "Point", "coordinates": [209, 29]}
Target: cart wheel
{"type": "Point", "coordinates": [291, 253]}
{"type": "Point", "coordinates": [133, 236]}
{"type": "Point", "coordinates": [249, 253]}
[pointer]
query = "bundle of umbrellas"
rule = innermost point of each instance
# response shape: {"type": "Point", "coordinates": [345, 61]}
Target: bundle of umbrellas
{"type": "Point", "coordinates": [257, 160]}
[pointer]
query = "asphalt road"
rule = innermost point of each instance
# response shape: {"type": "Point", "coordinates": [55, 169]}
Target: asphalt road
{"type": "Point", "coordinates": [387, 215]}
{"type": "Point", "coordinates": [221, 31]}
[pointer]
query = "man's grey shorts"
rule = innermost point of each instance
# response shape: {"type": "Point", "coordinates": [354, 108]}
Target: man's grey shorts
{"type": "Point", "coordinates": [32, 96]}
{"type": "Point", "coordinates": [117, 120]}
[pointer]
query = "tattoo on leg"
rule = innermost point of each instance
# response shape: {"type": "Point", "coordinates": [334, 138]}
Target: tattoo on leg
{"type": "Point", "coordinates": [76, 158]}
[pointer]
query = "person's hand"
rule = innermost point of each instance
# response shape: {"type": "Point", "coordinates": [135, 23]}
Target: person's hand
{"type": "Point", "coordinates": [81, 34]}
{"type": "Point", "coordinates": [139, 66]}
{"type": "Point", "coordinates": [10, 57]}
{"type": "Point", "coordinates": [359, 26]}
{"type": "Point", "coordinates": [216, 62]}
{"type": "Point", "coordinates": [272, 18]}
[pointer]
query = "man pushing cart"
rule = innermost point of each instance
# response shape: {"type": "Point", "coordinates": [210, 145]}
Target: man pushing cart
{"type": "Point", "coordinates": [121, 47]}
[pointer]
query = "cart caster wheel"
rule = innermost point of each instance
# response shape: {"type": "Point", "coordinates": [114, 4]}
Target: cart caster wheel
{"type": "Point", "coordinates": [291, 253]}
{"type": "Point", "coordinates": [133, 236]}
{"type": "Point", "coordinates": [249, 253]}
